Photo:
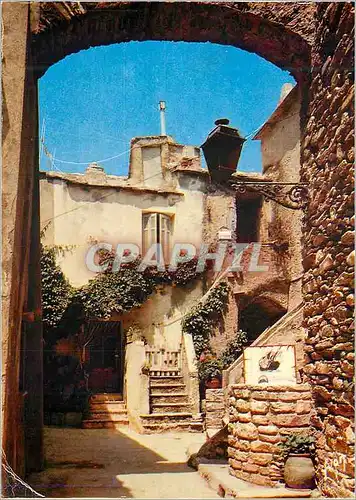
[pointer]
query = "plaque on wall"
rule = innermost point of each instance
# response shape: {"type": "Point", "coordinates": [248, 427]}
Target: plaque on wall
{"type": "Point", "coordinates": [271, 365]}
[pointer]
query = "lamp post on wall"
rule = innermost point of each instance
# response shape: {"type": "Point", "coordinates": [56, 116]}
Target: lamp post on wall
{"type": "Point", "coordinates": [162, 110]}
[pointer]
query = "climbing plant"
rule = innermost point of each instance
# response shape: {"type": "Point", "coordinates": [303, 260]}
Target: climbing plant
{"type": "Point", "coordinates": [203, 317]}
{"type": "Point", "coordinates": [234, 348]}
{"type": "Point", "coordinates": [109, 292]}
{"type": "Point", "coordinates": [57, 292]}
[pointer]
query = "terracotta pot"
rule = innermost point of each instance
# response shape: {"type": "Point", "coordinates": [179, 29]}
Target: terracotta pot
{"type": "Point", "coordinates": [214, 383]}
{"type": "Point", "coordinates": [299, 472]}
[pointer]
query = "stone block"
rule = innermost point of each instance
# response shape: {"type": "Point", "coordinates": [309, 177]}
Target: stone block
{"type": "Point", "coordinates": [261, 458]}
{"type": "Point", "coordinates": [246, 431]}
{"type": "Point", "coordinates": [291, 420]}
{"type": "Point", "coordinates": [234, 464]}
{"type": "Point", "coordinates": [283, 407]}
{"type": "Point", "coordinates": [266, 396]}
{"type": "Point", "coordinates": [268, 429]}
{"type": "Point", "coordinates": [270, 439]}
{"type": "Point", "coordinates": [249, 467]}
{"type": "Point", "coordinates": [260, 420]}
{"type": "Point", "coordinates": [242, 406]}
{"type": "Point", "coordinates": [261, 480]}
{"type": "Point", "coordinates": [244, 417]}
{"type": "Point", "coordinates": [303, 407]}
{"type": "Point", "coordinates": [259, 407]}
{"type": "Point", "coordinates": [262, 447]}
{"type": "Point", "coordinates": [243, 445]}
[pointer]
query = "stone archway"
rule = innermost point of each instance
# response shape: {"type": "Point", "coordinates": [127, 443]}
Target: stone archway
{"type": "Point", "coordinates": [296, 37]}
{"type": "Point", "coordinates": [279, 33]}
{"type": "Point", "coordinates": [259, 314]}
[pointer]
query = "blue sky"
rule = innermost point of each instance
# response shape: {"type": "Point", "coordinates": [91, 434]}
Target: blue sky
{"type": "Point", "coordinates": [95, 101]}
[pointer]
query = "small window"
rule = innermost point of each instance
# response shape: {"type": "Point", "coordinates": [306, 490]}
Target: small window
{"type": "Point", "coordinates": [157, 228]}
{"type": "Point", "coordinates": [248, 220]}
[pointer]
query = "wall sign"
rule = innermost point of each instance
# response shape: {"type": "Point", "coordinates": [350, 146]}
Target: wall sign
{"type": "Point", "coordinates": [271, 365]}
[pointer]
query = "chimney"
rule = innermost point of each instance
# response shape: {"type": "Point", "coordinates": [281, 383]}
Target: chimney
{"type": "Point", "coordinates": [222, 150]}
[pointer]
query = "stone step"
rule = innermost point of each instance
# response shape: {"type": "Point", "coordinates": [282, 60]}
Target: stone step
{"type": "Point", "coordinates": [166, 417]}
{"type": "Point", "coordinates": [105, 397]}
{"type": "Point", "coordinates": [186, 426]}
{"type": "Point", "coordinates": [167, 380]}
{"type": "Point", "coordinates": [170, 407]}
{"type": "Point", "coordinates": [108, 407]}
{"type": "Point", "coordinates": [169, 398]}
{"type": "Point", "coordinates": [104, 424]}
{"type": "Point", "coordinates": [167, 388]}
{"type": "Point", "coordinates": [114, 417]}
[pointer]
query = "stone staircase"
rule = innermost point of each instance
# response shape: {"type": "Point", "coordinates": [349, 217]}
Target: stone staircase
{"type": "Point", "coordinates": [169, 406]}
{"type": "Point", "coordinates": [106, 411]}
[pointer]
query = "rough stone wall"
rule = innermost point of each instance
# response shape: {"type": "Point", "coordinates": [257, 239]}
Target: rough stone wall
{"type": "Point", "coordinates": [20, 283]}
{"type": "Point", "coordinates": [327, 167]}
{"type": "Point", "coordinates": [277, 32]}
{"type": "Point", "coordinates": [259, 418]}
{"type": "Point", "coordinates": [215, 408]}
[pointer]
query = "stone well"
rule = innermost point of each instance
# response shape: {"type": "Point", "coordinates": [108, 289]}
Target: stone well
{"type": "Point", "coordinates": [259, 418]}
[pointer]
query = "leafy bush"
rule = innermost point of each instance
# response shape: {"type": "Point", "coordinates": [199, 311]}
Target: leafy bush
{"type": "Point", "coordinates": [234, 348]}
{"type": "Point", "coordinates": [203, 317]}
{"type": "Point", "coordinates": [57, 292]}
{"type": "Point", "coordinates": [297, 444]}
{"type": "Point", "coordinates": [210, 368]}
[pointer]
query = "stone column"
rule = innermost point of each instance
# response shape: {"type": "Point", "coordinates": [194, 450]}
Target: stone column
{"type": "Point", "coordinates": [19, 121]}
{"type": "Point", "coordinates": [328, 232]}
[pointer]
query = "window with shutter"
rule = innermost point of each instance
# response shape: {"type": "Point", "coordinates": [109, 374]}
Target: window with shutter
{"type": "Point", "coordinates": [156, 228]}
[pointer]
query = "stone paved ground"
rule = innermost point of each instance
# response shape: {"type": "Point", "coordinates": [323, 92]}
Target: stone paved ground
{"type": "Point", "coordinates": [118, 463]}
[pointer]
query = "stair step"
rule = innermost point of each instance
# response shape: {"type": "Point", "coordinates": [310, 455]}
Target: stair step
{"type": "Point", "coordinates": [169, 398]}
{"type": "Point", "coordinates": [167, 416]}
{"type": "Point", "coordinates": [103, 424]}
{"type": "Point", "coordinates": [105, 397]}
{"type": "Point", "coordinates": [106, 414]}
{"type": "Point", "coordinates": [113, 406]}
{"type": "Point", "coordinates": [167, 388]}
{"type": "Point", "coordinates": [170, 407]}
{"type": "Point", "coordinates": [107, 417]}
{"type": "Point", "coordinates": [157, 381]}
{"type": "Point", "coordinates": [187, 426]}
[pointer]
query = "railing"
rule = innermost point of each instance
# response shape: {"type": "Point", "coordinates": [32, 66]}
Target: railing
{"type": "Point", "coordinates": [163, 361]}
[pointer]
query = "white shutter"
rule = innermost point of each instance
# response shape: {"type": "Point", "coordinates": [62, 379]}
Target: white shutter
{"type": "Point", "coordinates": [165, 235]}
{"type": "Point", "coordinates": [149, 231]}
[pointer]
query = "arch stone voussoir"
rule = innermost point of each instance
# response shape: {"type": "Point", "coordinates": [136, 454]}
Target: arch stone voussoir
{"type": "Point", "coordinates": [277, 32]}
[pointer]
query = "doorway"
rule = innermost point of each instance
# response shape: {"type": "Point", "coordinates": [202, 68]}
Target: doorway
{"type": "Point", "coordinates": [104, 357]}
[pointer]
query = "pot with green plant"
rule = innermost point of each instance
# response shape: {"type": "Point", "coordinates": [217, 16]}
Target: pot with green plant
{"type": "Point", "coordinates": [297, 450]}
{"type": "Point", "coordinates": [210, 372]}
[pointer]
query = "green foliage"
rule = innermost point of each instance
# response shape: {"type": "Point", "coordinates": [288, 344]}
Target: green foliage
{"type": "Point", "coordinates": [203, 317]}
{"type": "Point", "coordinates": [57, 292]}
{"type": "Point", "coordinates": [297, 444]}
{"type": "Point", "coordinates": [114, 292]}
{"type": "Point", "coordinates": [107, 293]}
{"type": "Point", "coordinates": [210, 368]}
{"type": "Point", "coordinates": [234, 348]}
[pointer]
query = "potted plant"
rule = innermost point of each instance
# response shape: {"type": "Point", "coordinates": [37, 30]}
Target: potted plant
{"type": "Point", "coordinates": [297, 451]}
{"type": "Point", "coordinates": [210, 372]}
{"type": "Point", "coordinates": [146, 367]}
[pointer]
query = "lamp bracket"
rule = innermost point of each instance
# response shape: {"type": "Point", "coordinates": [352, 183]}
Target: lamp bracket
{"type": "Point", "coordinates": [292, 195]}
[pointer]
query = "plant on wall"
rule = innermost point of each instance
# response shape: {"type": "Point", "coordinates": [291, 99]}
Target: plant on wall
{"type": "Point", "coordinates": [57, 292]}
{"type": "Point", "coordinates": [234, 348]}
{"type": "Point", "coordinates": [203, 317]}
